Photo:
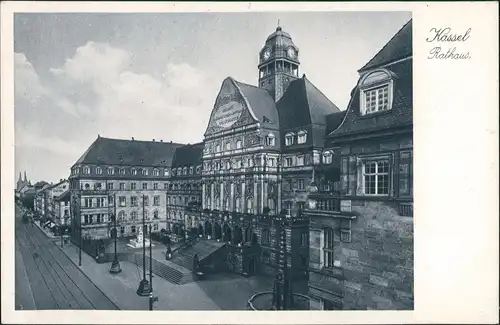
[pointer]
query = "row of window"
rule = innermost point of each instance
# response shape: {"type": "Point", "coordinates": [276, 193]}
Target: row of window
{"type": "Point", "coordinates": [89, 219]}
{"type": "Point", "coordinates": [134, 215]}
{"type": "Point", "coordinates": [136, 171]}
{"type": "Point", "coordinates": [121, 186]}
{"type": "Point", "coordinates": [179, 201]}
{"type": "Point", "coordinates": [224, 204]}
{"type": "Point", "coordinates": [134, 201]}
{"type": "Point", "coordinates": [290, 138]}
{"type": "Point", "coordinates": [134, 229]}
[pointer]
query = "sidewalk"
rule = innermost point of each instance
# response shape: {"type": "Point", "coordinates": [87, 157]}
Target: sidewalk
{"type": "Point", "coordinates": [121, 288]}
{"type": "Point", "coordinates": [45, 231]}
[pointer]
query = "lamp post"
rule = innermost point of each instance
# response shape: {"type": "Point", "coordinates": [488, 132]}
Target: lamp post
{"type": "Point", "coordinates": [151, 298]}
{"type": "Point", "coordinates": [115, 265]}
{"type": "Point", "coordinates": [144, 288]}
{"type": "Point", "coordinates": [81, 243]}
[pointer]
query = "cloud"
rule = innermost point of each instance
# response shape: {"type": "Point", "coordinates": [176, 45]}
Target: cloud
{"type": "Point", "coordinates": [174, 106]}
{"type": "Point", "coordinates": [97, 91]}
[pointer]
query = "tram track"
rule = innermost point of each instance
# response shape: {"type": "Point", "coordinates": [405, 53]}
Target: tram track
{"type": "Point", "coordinates": [60, 284]}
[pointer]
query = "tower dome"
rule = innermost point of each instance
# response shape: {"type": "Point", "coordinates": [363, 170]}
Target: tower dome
{"type": "Point", "coordinates": [278, 63]}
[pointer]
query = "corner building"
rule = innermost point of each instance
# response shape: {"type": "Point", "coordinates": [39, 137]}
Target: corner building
{"type": "Point", "coordinates": [361, 250]}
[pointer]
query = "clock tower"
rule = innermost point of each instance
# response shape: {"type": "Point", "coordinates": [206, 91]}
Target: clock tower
{"type": "Point", "coordinates": [278, 63]}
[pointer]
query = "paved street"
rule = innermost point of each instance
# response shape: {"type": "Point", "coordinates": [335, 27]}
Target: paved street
{"type": "Point", "coordinates": [47, 279]}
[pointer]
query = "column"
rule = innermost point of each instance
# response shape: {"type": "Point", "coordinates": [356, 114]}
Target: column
{"type": "Point", "coordinates": [222, 196]}
{"type": "Point", "coordinates": [203, 200]}
{"type": "Point", "coordinates": [212, 195]}
{"type": "Point", "coordinates": [256, 195]}
{"type": "Point", "coordinates": [243, 200]}
{"type": "Point", "coordinates": [231, 200]}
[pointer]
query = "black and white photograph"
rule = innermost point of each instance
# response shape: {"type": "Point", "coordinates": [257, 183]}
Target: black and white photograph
{"type": "Point", "coordinates": [252, 161]}
{"type": "Point", "coordinates": [189, 161]}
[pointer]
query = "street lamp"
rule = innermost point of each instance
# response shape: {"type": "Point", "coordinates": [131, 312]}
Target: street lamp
{"type": "Point", "coordinates": [144, 288]}
{"type": "Point", "coordinates": [115, 265]}
{"type": "Point", "coordinates": [151, 298]}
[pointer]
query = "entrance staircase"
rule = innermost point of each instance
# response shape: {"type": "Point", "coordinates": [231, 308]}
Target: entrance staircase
{"type": "Point", "coordinates": [171, 273]}
{"type": "Point", "coordinates": [204, 248]}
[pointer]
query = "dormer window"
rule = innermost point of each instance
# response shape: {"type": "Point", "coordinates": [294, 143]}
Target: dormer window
{"type": "Point", "coordinates": [166, 172]}
{"type": "Point", "coordinates": [289, 139]}
{"type": "Point", "coordinates": [191, 170]}
{"type": "Point", "coordinates": [156, 172]}
{"type": "Point", "coordinates": [86, 170]}
{"type": "Point", "coordinates": [134, 171]}
{"type": "Point", "coordinates": [327, 157]}
{"type": "Point", "coordinates": [179, 171]}
{"type": "Point", "coordinates": [111, 171]}
{"type": "Point", "coordinates": [144, 172]}
{"type": "Point", "coordinates": [198, 169]}
{"type": "Point", "coordinates": [122, 171]}
{"type": "Point", "coordinates": [98, 170]}
{"type": "Point", "coordinates": [184, 171]}
{"type": "Point", "coordinates": [270, 140]}
{"type": "Point", "coordinates": [376, 92]}
{"type": "Point", "coordinates": [301, 137]}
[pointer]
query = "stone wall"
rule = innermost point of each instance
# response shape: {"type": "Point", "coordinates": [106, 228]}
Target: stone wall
{"type": "Point", "coordinates": [378, 262]}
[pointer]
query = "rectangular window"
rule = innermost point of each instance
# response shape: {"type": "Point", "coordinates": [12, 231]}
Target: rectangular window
{"type": "Point", "coordinates": [109, 186]}
{"type": "Point", "coordinates": [98, 218]}
{"type": "Point", "coordinates": [405, 173]}
{"type": "Point", "coordinates": [156, 201]}
{"type": "Point", "coordinates": [377, 100]}
{"type": "Point", "coordinates": [122, 186]}
{"type": "Point", "coordinates": [133, 201]}
{"type": "Point", "coordinates": [328, 247]}
{"type": "Point", "coordinates": [155, 186]}
{"type": "Point", "coordinates": [376, 177]}
{"type": "Point", "coordinates": [300, 160]}
{"type": "Point", "coordinates": [133, 229]}
{"type": "Point", "coordinates": [301, 206]}
{"type": "Point", "coordinates": [303, 239]}
{"type": "Point", "coordinates": [146, 200]}
{"type": "Point", "coordinates": [165, 186]}
{"type": "Point", "coordinates": [144, 186]}
{"type": "Point", "coordinates": [301, 184]}
{"type": "Point", "coordinates": [122, 201]}
{"type": "Point", "coordinates": [133, 186]}
{"type": "Point", "coordinates": [288, 161]}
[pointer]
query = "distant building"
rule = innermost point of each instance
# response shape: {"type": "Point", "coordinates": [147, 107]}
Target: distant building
{"type": "Point", "coordinates": [130, 177]}
{"type": "Point", "coordinates": [62, 210]}
{"type": "Point", "coordinates": [361, 250]}
{"type": "Point", "coordinates": [39, 199]}
{"type": "Point", "coordinates": [50, 195]}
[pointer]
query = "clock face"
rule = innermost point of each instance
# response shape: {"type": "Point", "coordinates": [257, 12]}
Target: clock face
{"type": "Point", "coordinates": [291, 52]}
{"type": "Point", "coordinates": [266, 54]}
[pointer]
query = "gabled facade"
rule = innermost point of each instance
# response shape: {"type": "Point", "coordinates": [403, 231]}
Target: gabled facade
{"type": "Point", "coordinates": [361, 252]}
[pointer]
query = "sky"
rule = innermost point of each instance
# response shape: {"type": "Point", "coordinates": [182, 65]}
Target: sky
{"type": "Point", "coordinates": [156, 76]}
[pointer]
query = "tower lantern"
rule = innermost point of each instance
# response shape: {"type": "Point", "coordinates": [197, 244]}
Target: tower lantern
{"type": "Point", "coordinates": [278, 63]}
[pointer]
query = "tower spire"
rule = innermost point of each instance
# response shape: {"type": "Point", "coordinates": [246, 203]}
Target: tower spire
{"type": "Point", "coordinates": [20, 179]}
{"type": "Point", "coordinates": [25, 179]}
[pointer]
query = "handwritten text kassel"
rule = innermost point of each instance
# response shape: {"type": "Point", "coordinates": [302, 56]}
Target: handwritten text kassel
{"type": "Point", "coordinates": [447, 35]}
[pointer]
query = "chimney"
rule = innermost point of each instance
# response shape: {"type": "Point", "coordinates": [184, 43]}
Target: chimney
{"type": "Point", "coordinates": [161, 140]}
{"type": "Point", "coordinates": [170, 142]}
{"type": "Point", "coordinates": [133, 139]}
{"type": "Point", "coordinates": [153, 140]}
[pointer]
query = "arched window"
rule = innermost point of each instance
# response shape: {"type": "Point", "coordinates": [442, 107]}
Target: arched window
{"type": "Point", "coordinates": [250, 205]}
{"type": "Point", "coordinates": [179, 171]}
{"type": "Point", "coordinates": [156, 172]}
{"type": "Point", "coordinates": [217, 148]}
{"type": "Point", "coordinates": [271, 205]}
{"type": "Point", "coordinates": [121, 215]}
{"type": "Point", "coordinates": [376, 92]}
{"type": "Point", "coordinates": [133, 215]}
{"type": "Point", "coordinates": [238, 144]}
{"type": "Point", "coordinates": [168, 200]}
{"type": "Point", "coordinates": [111, 171]}
{"type": "Point", "coordinates": [228, 145]}
{"type": "Point", "coordinates": [301, 137]}
{"type": "Point", "coordinates": [122, 171]}
{"type": "Point", "coordinates": [217, 203]}
{"type": "Point", "coordinates": [155, 214]}
{"type": "Point", "coordinates": [134, 171]}
{"type": "Point", "coordinates": [166, 172]}
{"type": "Point", "coordinates": [237, 204]}
{"type": "Point", "coordinates": [144, 172]}
{"type": "Point", "coordinates": [191, 170]}
{"type": "Point", "coordinates": [289, 139]}
{"type": "Point", "coordinates": [327, 157]}
{"type": "Point", "coordinates": [98, 170]}
{"type": "Point", "coordinates": [198, 169]}
{"type": "Point", "coordinates": [228, 164]}
{"type": "Point", "coordinates": [86, 170]}
{"type": "Point", "coordinates": [184, 171]}
{"type": "Point", "coordinates": [226, 204]}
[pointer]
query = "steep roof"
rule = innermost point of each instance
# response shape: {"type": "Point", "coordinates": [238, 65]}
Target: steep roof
{"type": "Point", "coordinates": [261, 103]}
{"type": "Point", "coordinates": [334, 120]}
{"type": "Point", "coordinates": [398, 47]}
{"type": "Point", "coordinates": [65, 196]}
{"type": "Point", "coordinates": [189, 155]}
{"type": "Point", "coordinates": [107, 151]}
{"type": "Point", "coordinates": [304, 104]}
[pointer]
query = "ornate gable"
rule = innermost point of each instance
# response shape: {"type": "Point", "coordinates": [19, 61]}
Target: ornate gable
{"type": "Point", "coordinates": [231, 110]}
